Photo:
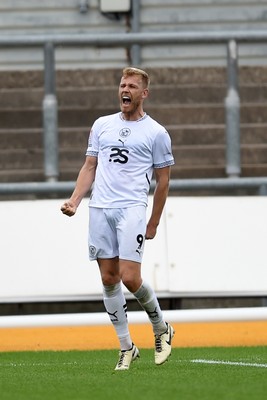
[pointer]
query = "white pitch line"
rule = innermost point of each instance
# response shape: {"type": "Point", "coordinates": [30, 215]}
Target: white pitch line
{"type": "Point", "coordinates": [237, 363]}
{"type": "Point", "coordinates": [75, 363]}
{"type": "Point", "coordinates": [40, 364]}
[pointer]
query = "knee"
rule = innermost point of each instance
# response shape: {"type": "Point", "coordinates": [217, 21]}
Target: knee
{"type": "Point", "coordinates": [131, 283]}
{"type": "Point", "coordinates": [127, 283]}
{"type": "Point", "coordinates": [109, 279]}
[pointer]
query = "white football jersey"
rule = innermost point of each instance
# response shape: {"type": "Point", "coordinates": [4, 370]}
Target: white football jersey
{"type": "Point", "coordinates": [127, 153]}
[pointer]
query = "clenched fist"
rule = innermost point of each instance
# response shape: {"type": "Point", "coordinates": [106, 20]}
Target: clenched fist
{"type": "Point", "coordinates": [68, 208]}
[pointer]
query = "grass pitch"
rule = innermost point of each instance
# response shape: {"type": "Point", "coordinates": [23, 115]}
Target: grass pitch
{"type": "Point", "coordinates": [238, 373]}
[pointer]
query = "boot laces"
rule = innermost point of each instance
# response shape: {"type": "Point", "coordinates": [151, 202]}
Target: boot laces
{"type": "Point", "coordinates": [158, 344]}
{"type": "Point", "coordinates": [122, 355]}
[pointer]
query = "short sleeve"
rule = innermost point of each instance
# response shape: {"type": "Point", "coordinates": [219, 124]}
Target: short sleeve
{"type": "Point", "coordinates": [93, 144]}
{"type": "Point", "coordinates": [162, 151]}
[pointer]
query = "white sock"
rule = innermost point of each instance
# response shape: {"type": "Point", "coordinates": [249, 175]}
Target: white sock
{"type": "Point", "coordinates": [115, 304]}
{"type": "Point", "coordinates": [146, 297]}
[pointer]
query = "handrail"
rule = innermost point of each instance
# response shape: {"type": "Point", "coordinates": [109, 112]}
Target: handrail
{"type": "Point", "coordinates": [143, 38]}
{"type": "Point", "coordinates": [188, 185]}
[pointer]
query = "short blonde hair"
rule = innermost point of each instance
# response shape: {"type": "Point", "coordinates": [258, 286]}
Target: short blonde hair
{"type": "Point", "coordinates": [130, 71]}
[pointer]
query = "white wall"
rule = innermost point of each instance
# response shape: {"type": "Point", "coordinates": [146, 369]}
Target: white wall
{"type": "Point", "coordinates": [204, 246]}
{"type": "Point", "coordinates": [217, 245]}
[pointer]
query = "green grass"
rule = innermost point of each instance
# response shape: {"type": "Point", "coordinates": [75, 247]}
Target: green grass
{"type": "Point", "coordinates": [78, 375]}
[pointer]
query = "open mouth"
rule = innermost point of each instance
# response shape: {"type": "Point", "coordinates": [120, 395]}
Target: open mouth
{"type": "Point", "coordinates": [126, 100]}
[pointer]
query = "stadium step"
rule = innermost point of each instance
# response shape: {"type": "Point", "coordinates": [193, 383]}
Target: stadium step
{"type": "Point", "coordinates": [174, 114]}
{"type": "Point", "coordinates": [159, 94]}
{"type": "Point", "coordinates": [188, 102]}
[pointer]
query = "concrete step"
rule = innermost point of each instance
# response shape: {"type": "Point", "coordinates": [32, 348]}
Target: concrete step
{"type": "Point", "coordinates": [110, 77]}
{"type": "Point", "coordinates": [172, 114]}
{"type": "Point", "coordinates": [28, 138]}
{"type": "Point", "coordinates": [215, 171]}
{"type": "Point", "coordinates": [206, 114]}
{"type": "Point", "coordinates": [22, 175]}
{"type": "Point", "coordinates": [215, 134]}
{"type": "Point", "coordinates": [182, 135]}
{"type": "Point", "coordinates": [21, 158]}
{"type": "Point", "coordinates": [213, 155]}
{"type": "Point", "coordinates": [33, 158]}
{"type": "Point", "coordinates": [160, 94]}
{"type": "Point", "coordinates": [177, 172]}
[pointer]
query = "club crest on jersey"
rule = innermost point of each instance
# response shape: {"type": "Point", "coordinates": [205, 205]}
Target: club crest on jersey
{"type": "Point", "coordinates": [92, 251]}
{"type": "Point", "coordinates": [124, 132]}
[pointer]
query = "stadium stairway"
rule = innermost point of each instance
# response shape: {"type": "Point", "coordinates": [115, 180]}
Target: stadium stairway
{"type": "Point", "coordinates": [188, 101]}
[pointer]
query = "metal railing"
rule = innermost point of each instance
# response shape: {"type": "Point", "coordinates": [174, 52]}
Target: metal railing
{"type": "Point", "coordinates": [187, 185]}
{"type": "Point", "coordinates": [50, 126]}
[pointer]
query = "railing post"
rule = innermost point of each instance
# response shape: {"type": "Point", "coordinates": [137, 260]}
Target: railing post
{"type": "Point", "coordinates": [50, 123]}
{"type": "Point", "coordinates": [263, 190]}
{"type": "Point", "coordinates": [232, 109]}
{"type": "Point", "coordinates": [135, 48]}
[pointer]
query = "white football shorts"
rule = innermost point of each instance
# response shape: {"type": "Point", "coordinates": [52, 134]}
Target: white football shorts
{"type": "Point", "coordinates": [117, 232]}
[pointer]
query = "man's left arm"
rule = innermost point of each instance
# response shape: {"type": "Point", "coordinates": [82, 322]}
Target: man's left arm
{"type": "Point", "coordinates": [162, 176]}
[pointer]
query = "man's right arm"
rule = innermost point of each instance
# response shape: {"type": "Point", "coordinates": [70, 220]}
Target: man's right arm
{"type": "Point", "coordinates": [84, 182]}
